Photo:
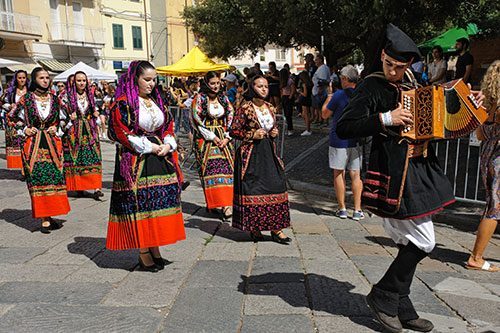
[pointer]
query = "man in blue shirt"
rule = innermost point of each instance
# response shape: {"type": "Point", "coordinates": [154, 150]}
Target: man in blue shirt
{"type": "Point", "coordinates": [344, 154]}
{"type": "Point", "coordinates": [231, 82]}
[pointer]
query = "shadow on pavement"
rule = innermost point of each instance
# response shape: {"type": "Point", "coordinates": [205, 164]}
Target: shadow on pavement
{"type": "Point", "coordinates": [440, 253]}
{"type": "Point", "coordinates": [94, 248]}
{"type": "Point", "coordinates": [22, 219]}
{"type": "Point", "coordinates": [220, 229]}
{"type": "Point", "coordinates": [10, 174]}
{"type": "Point", "coordinates": [325, 295]}
{"type": "Point", "coordinates": [461, 221]}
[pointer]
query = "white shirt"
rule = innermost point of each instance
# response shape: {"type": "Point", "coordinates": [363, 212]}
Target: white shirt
{"type": "Point", "coordinates": [150, 119]}
{"type": "Point", "coordinates": [265, 118]}
{"type": "Point", "coordinates": [322, 74]}
{"type": "Point", "coordinates": [83, 104]}
{"type": "Point", "coordinates": [215, 110]}
{"type": "Point", "coordinates": [435, 68]}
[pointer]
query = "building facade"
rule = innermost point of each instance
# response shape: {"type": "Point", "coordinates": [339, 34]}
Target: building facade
{"type": "Point", "coordinates": [71, 32]}
{"type": "Point", "coordinates": [18, 29]}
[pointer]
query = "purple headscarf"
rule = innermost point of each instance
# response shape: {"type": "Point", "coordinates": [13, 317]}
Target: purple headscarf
{"type": "Point", "coordinates": [72, 94]}
{"type": "Point", "coordinates": [10, 93]}
{"type": "Point", "coordinates": [128, 87]}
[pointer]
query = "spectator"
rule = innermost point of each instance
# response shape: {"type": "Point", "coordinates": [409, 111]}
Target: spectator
{"type": "Point", "coordinates": [334, 78]}
{"type": "Point", "coordinates": [321, 80]}
{"type": "Point", "coordinates": [437, 68]}
{"type": "Point", "coordinates": [418, 68]}
{"type": "Point", "coordinates": [344, 154]}
{"type": "Point", "coordinates": [61, 88]}
{"type": "Point", "coordinates": [273, 79]}
{"type": "Point", "coordinates": [305, 96]}
{"type": "Point", "coordinates": [231, 87]}
{"type": "Point", "coordinates": [489, 133]}
{"type": "Point", "coordinates": [287, 92]}
{"type": "Point", "coordinates": [463, 68]}
{"type": "Point", "coordinates": [309, 65]}
{"type": "Point", "coordinates": [257, 69]}
{"type": "Point", "coordinates": [287, 66]}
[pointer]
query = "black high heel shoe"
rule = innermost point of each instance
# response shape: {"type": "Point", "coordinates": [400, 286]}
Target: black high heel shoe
{"type": "Point", "coordinates": [256, 236]}
{"type": "Point", "coordinates": [160, 262]}
{"type": "Point", "coordinates": [153, 268]}
{"type": "Point", "coordinates": [54, 225]}
{"type": "Point", "coordinates": [281, 240]}
{"type": "Point", "coordinates": [45, 229]}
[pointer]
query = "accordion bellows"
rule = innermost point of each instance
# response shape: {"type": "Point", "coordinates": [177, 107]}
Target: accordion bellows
{"type": "Point", "coordinates": [447, 111]}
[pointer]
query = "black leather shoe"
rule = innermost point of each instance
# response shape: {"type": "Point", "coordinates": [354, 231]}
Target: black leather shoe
{"type": "Point", "coordinates": [256, 236]}
{"type": "Point", "coordinates": [390, 323]}
{"type": "Point", "coordinates": [54, 225]}
{"type": "Point", "coordinates": [97, 195]}
{"type": "Point", "coordinates": [282, 240]}
{"type": "Point", "coordinates": [185, 184]}
{"type": "Point", "coordinates": [419, 325]}
{"type": "Point", "coordinates": [161, 263]}
{"type": "Point", "coordinates": [153, 268]}
{"type": "Point", "coordinates": [45, 230]}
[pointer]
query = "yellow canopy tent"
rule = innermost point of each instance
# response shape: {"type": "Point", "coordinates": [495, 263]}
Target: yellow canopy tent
{"type": "Point", "coordinates": [194, 63]}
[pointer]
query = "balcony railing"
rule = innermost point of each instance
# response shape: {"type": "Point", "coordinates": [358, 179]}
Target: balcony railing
{"type": "Point", "coordinates": [20, 24]}
{"type": "Point", "coordinates": [76, 34]}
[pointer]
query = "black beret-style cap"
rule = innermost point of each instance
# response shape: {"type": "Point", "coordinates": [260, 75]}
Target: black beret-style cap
{"type": "Point", "coordinates": [399, 46]}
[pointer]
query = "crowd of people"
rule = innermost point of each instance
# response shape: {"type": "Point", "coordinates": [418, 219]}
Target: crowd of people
{"type": "Point", "coordinates": [55, 136]}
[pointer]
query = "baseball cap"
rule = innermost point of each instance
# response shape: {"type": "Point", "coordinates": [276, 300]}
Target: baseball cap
{"type": "Point", "coordinates": [230, 78]}
{"type": "Point", "coordinates": [350, 73]}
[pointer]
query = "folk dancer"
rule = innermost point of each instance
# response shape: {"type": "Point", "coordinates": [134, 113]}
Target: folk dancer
{"type": "Point", "coordinates": [212, 118]}
{"type": "Point", "coordinates": [260, 194]}
{"type": "Point", "coordinates": [40, 118]}
{"type": "Point", "coordinates": [82, 150]}
{"type": "Point", "coordinates": [404, 183]}
{"type": "Point", "coordinates": [145, 210]}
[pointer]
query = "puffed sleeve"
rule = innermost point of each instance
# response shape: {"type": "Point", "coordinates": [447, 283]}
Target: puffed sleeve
{"type": "Point", "coordinates": [198, 123]}
{"type": "Point", "coordinates": [240, 128]}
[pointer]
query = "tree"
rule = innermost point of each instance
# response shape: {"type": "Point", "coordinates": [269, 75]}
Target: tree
{"type": "Point", "coordinates": [231, 27]}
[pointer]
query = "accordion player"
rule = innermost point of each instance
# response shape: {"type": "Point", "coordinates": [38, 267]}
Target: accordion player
{"type": "Point", "coordinates": [446, 111]}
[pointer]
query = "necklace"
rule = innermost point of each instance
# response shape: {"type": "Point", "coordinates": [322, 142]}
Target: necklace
{"type": "Point", "coordinates": [148, 106]}
{"type": "Point", "coordinates": [263, 109]}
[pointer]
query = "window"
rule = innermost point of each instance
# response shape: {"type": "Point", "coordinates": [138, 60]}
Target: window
{"type": "Point", "coordinates": [137, 37]}
{"type": "Point", "coordinates": [280, 55]}
{"type": "Point", "coordinates": [118, 36]}
{"type": "Point", "coordinates": [6, 15]}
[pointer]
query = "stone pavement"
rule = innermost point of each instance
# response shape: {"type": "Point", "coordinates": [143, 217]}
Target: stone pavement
{"type": "Point", "coordinates": [219, 280]}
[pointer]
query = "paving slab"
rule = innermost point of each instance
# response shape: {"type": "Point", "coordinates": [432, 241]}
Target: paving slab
{"type": "Point", "coordinates": [473, 308]}
{"type": "Point", "coordinates": [354, 324]}
{"type": "Point", "coordinates": [4, 308]}
{"type": "Point", "coordinates": [90, 272]}
{"type": "Point", "coordinates": [43, 273]}
{"type": "Point", "coordinates": [276, 270]}
{"type": "Point", "coordinates": [272, 249]}
{"type": "Point", "coordinates": [446, 324]}
{"type": "Point", "coordinates": [228, 251]}
{"type": "Point", "coordinates": [223, 274]}
{"type": "Point", "coordinates": [19, 255]}
{"type": "Point", "coordinates": [277, 324]}
{"type": "Point", "coordinates": [54, 318]}
{"type": "Point", "coordinates": [145, 289]}
{"type": "Point", "coordinates": [49, 292]}
{"type": "Point", "coordinates": [205, 309]}
{"type": "Point", "coordinates": [467, 288]}
{"type": "Point", "coordinates": [319, 247]}
{"type": "Point", "coordinates": [275, 299]}
{"type": "Point", "coordinates": [333, 297]}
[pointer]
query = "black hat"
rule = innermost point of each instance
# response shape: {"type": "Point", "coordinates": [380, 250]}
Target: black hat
{"type": "Point", "coordinates": [399, 46]}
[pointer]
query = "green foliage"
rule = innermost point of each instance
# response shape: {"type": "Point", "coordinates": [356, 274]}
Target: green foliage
{"type": "Point", "coordinates": [231, 27]}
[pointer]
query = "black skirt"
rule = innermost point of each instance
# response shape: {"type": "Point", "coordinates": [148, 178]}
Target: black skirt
{"type": "Point", "coordinates": [260, 195]}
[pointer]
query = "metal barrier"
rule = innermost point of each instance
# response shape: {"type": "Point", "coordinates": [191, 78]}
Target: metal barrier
{"type": "Point", "coordinates": [460, 162]}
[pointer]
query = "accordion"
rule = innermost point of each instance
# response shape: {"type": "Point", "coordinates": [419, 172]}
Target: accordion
{"type": "Point", "coordinates": [447, 111]}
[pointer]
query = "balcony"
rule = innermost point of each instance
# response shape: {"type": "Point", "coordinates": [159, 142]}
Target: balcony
{"type": "Point", "coordinates": [19, 26]}
{"type": "Point", "coordinates": [76, 35]}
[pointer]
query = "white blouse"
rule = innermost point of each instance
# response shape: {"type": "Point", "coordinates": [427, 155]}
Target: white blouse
{"type": "Point", "coordinates": [265, 118]}
{"type": "Point", "coordinates": [150, 119]}
{"type": "Point", "coordinates": [216, 110]}
{"type": "Point", "coordinates": [83, 104]}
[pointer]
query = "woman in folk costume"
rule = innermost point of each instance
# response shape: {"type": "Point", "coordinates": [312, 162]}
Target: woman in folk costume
{"type": "Point", "coordinates": [18, 86]}
{"type": "Point", "coordinates": [145, 210]}
{"type": "Point", "coordinates": [39, 117]}
{"type": "Point", "coordinates": [212, 117]}
{"type": "Point", "coordinates": [82, 151]}
{"type": "Point", "coordinates": [260, 195]}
